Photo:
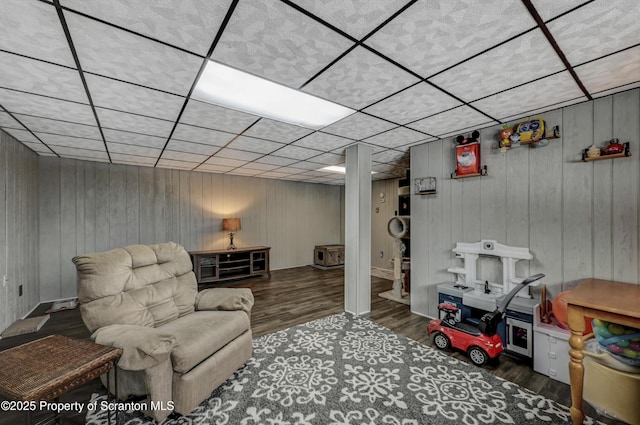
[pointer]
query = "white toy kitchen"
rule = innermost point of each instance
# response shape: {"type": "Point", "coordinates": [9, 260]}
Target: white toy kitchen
{"type": "Point", "coordinates": [475, 296]}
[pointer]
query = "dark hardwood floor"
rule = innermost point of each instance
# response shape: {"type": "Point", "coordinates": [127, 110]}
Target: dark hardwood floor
{"type": "Point", "coordinates": [295, 296]}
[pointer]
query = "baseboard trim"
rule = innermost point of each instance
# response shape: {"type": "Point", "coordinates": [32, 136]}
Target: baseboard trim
{"type": "Point", "coordinates": [382, 273]}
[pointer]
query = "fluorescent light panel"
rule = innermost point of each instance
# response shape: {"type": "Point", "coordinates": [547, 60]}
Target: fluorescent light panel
{"type": "Point", "coordinates": [338, 169]}
{"type": "Point", "coordinates": [228, 87]}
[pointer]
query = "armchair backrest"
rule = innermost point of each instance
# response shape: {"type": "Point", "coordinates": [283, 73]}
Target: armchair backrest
{"type": "Point", "coordinates": [146, 285]}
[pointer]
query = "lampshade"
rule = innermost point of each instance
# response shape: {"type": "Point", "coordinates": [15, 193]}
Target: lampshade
{"type": "Point", "coordinates": [231, 224]}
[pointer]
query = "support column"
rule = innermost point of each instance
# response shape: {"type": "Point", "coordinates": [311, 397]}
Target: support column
{"type": "Point", "coordinates": [357, 267]}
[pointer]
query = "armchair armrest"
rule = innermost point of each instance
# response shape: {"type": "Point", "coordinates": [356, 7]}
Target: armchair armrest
{"type": "Point", "coordinates": [225, 299]}
{"type": "Point", "coordinates": [142, 346]}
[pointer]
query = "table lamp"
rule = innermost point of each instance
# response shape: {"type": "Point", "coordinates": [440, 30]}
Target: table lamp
{"type": "Point", "coordinates": [231, 225]}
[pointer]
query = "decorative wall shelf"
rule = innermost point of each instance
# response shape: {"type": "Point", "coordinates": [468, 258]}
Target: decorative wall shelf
{"type": "Point", "coordinates": [624, 154]}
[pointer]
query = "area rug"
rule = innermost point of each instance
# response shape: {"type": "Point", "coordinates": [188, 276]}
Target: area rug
{"type": "Point", "coordinates": [25, 326]}
{"type": "Point", "coordinates": [348, 370]}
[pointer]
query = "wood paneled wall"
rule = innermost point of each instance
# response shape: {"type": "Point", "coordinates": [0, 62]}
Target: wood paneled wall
{"type": "Point", "coordinates": [381, 212]}
{"type": "Point", "coordinates": [18, 230]}
{"type": "Point", "coordinates": [578, 219]}
{"type": "Point", "coordinates": [90, 207]}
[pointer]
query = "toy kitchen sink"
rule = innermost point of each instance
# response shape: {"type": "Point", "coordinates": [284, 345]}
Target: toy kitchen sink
{"type": "Point", "coordinates": [474, 296]}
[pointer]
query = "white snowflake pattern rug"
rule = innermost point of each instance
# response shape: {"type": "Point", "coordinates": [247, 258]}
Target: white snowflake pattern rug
{"type": "Point", "coordinates": [348, 370]}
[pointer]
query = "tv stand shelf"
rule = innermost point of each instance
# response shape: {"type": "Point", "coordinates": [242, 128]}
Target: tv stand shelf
{"type": "Point", "coordinates": [221, 265]}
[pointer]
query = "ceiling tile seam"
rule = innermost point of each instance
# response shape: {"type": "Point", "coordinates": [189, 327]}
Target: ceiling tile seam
{"type": "Point", "coordinates": [76, 59]}
{"type": "Point", "coordinates": [94, 18]}
{"type": "Point", "coordinates": [607, 55]}
{"type": "Point", "coordinates": [319, 20]}
{"type": "Point", "coordinates": [37, 59]}
{"type": "Point", "coordinates": [620, 86]}
{"type": "Point", "coordinates": [545, 30]}
{"type": "Point", "coordinates": [29, 130]}
{"type": "Point", "coordinates": [214, 43]}
{"type": "Point", "coordinates": [133, 84]}
{"type": "Point", "coordinates": [392, 94]}
{"type": "Point", "coordinates": [549, 107]}
{"type": "Point", "coordinates": [518, 85]}
{"type": "Point", "coordinates": [569, 11]}
{"type": "Point", "coordinates": [404, 68]}
{"type": "Point", "coordinates": [329, 65]}
{"type": "Point", "coordinates": [44, 95]}
{"type": "Point", "coordinates": [467, 59]}
{"type": "Point", "coordinates": [386, 21]}
{"type": "Point", "coordinates": [56, 120]}
{"type": "Point", "coordinates": [134, 113]}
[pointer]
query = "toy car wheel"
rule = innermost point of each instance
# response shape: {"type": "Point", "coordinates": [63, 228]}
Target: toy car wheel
{"type": "Point", "coordinates": [441, 341]}
{"type": "Point", "coordinates": [478, 356]}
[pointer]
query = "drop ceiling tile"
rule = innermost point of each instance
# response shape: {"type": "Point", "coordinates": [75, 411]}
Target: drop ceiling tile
{"type": "Point", "coordinates": [216, 117]}
{"type": "Point", "coordinates": [275, 41]}
{"type": "Point", "coordinates": [597, 29]}
{"type": "Point", "coordinates": [296, 152]}
{"type": "Point", "coordinates": [418, 101]}
{"type": "Point", "coordinates": [358, 126]}
{"type": "Point", "coordinates": [145, 161]}
{"type": "Point", "coordinates": [66, 151]}
{"type": "Point", "coordinates": [260, 166]}
{"type": "Point", "coordinates": [497, 70]}
{"type": "Point", "coordinates": [617, 90]}
{"type": "Point", "coordinates": [180, 165]}
{"type": "Point", "coordinates": [275, 160]}
{"type": "Point", "coordinates": [199, 148]}
{"type": "Point", "coordinates": [33, 29]}
{"type": "Point", "coordinates": [529, 113]}
{"type": "Point", "coordinates": [291, 170]}
{"type": "Point", "coordinates": [225, 162]}
{"type": "Point", "coordinates": [46, 107]}
{"type": "Point", "coordinates": [296, 178]}
{"type": "Point", "coordinates": [451, 120]}
{"type": "Point", "coordinates": [71, 142]}
{"type": "Point", "coordinates": [276, 131]}
{"type": "Point", "coordinates": [141, 151]}
{"type": "Point", "coordinates": [306, 165]}
{"type": "Point", "coordinates": [37, 147]}
{"type": "Point", "coordinates": [431, 36]}
{"type": "Point", "coordinates": [397, 137]}
{"type": "Point", "coordinates": [612, 71]}
{"type": "Point", "coordinates": [388, 156]}
{"type": "Point", "coordinates": [359, 79]}
{"type": "Point", "coordinates": [6, 121]}
{"type": "Point", "coordinates": [245, 171]}
{"type": "Point", "coordinates": [125, 97]}
{"type": "Point", "coordinates": [318, 173]}
{"type": "Point", "coordinates": [105, 50]}
{"type": "Point", "coordinates": [323, 141]}
{"type": "Point", "coordinates": [190, 25]}
{"type": "Point", "coordinates": [190, 133]}
{"type": "Point", "coordinates": [328, 159]}
{"type": "Point", "coordinates": [549, 9]}
{"type": "Point", "coordinates": [130, 138]}
{"type": "Point", "coordinates": [45, 125]}
{"type": "Point", "coordinates": [184, 156]}
{"type": "Point", "coordinates": [214, 168]}
{"type": "Point", "coordinates": [20, 73]}
{"type": "Point", "coordinates": [273, 175]}
{"type": "Point", "coordinates": [355, 17]}
{"type": "Point", "coordinates": [117, 120]}
{"type": "Point", "coordinates": [23, 136]}
{"type": "Point", "coordinates": [236, 154]}
{"type": "Point", "coordinates": [255, 145]}
{"type": "Point", "coordinates": [547, 91]}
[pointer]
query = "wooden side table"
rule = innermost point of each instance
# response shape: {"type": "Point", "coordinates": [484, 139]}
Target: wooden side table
{"type": "Point", "coordinates": [600, 299]}
{"type": "Point", "coordinates": [48, 367]}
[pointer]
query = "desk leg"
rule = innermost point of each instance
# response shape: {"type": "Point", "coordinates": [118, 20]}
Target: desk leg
{"type": "Point", "coordinates": [576, 368]}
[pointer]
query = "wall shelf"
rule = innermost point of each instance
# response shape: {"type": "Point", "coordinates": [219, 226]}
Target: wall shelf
{"type": "Point", "coordinates": [624, 154]}
{"type": "Point", "coordinates": [483, 172]}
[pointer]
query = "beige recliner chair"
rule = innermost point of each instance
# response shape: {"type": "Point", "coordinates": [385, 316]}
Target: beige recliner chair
{"type": "Point", "coordinates": [178, 344]}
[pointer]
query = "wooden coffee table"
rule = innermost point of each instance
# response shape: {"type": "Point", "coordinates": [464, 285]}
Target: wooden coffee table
{"type": "Point", "coordinates": [46, 368]}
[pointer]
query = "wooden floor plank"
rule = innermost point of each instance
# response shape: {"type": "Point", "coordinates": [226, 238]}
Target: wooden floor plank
{"type": "Point", "coordinates": [295, 296]}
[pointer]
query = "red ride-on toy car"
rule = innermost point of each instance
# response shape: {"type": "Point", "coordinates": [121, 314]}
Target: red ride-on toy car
{"type": "Point", "coordinates": [481, 342]}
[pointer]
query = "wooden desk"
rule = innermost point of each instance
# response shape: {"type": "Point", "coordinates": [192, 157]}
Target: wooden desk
{"type": "Point", "coordinates": [600, 299]}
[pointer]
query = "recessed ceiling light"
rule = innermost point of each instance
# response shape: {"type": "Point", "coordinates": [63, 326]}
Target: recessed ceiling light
{"type": "Point", "coordinates": [338, 169]}
{"type": "Point", "coordinates": [228, 87]}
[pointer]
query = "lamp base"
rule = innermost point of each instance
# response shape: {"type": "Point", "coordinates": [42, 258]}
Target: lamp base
{"type": "Point", "coordinates": [231, 245]}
